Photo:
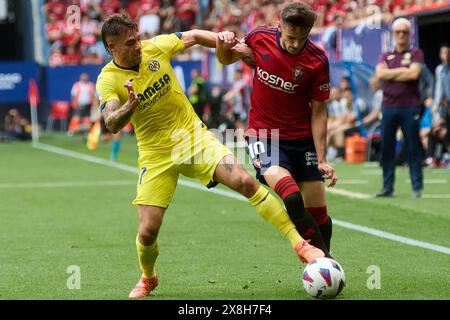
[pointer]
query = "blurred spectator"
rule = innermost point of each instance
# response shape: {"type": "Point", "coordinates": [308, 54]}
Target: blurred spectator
{"type": "Point", "coordinates": [57, 8]}
{"type": "Point", "coordinates": [149, 20]}
{"type": "Point", "coordinates": [237, 99]}
{"type": "Point", "coordinates": [16, 126]}
{"type": "Point", "coordinates": [426, 88]}
{"type": "Point", "coordinates": [214, 117]}
{"type": "Point", "coordinates": [92, 9]}
{"type": "Point", "coordinates": [376, 102]}
{"type": "Point", "coordinates": [83, 96]}
{"type": "Point", "coordinates": [345, 83]}
{"type": "Point", "coordinates": [109, 7]}
{"type": "Point", "coordinates": [236, 96]}
{"type": "Point", "coordinates": [90, 31]}
{"type": "Point", "coordinates": [197, 93]}
{"type": "Point", "coordinates": [442, 76]}
{"type": "Point", "coordinates": [91, 55]}
{"type": "Point", "coordinates": [238, 16]}
{"type": "Point", "coordinates": [56, 55]}
{"type": "Point", "coordinates": [54, 29]}
{"type": "Point", "coordinates": [439, 139]}
{"type": "Point", "coordinates": [186, 12]}
{"type": "Point", "coordinates": [72, 56]}
{"type": "Point", "coordinates": [400, 71]}
{"type": "Point", "coordinates": [341, 122]}
{"type": "Point", "coordinates": [335, 107]}
{"type": "Point", "coordinates": [167, 14]}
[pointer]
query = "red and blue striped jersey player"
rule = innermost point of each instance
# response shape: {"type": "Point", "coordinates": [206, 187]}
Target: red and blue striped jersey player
{"type": "Point", "coordinates": [287, 122]}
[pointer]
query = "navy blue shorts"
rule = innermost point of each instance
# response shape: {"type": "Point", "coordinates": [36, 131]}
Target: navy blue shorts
{"type": "Point", "coordinates": [297, 156]}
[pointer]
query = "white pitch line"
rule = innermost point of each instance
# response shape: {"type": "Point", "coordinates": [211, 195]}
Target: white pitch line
{"type": "Point", "coordinates": [436, 196]}
{"type": "Point", "coordinates": [431, 181]}
{"type": "Point", "coordinates": [353, 181]}
{"type": "Point", "coordinates": [372, 172]}
{"type": "Point", "coordinates": [233, 195]}
{"type": "Point", "coordinates": [350, 194]}
{"type": "Point", "coordinates": [66, 184]}
{"type": "Point", "coordinates": [391, 236]}
{"type": "Point", "coordinates": [86, 157]}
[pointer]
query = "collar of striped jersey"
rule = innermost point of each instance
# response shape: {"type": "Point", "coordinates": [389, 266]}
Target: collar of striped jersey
{"type": "Point", "coordinates": [284, 50]}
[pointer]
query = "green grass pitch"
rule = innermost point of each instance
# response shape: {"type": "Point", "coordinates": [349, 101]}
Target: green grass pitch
{"type": "Point", "coordinates": [58, 211]}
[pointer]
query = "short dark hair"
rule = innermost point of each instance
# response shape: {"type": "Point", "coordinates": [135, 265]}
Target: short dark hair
{"type": "Point", "coordinates": [445, 44]}
{"type": "Point", "coordinates": [115, 25]}
{"type": "Point", "coordinates": [298, 14]}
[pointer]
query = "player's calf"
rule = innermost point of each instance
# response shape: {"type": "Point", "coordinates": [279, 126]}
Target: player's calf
{"type": "Point", "coordinates": [324, 222]}
{"type": "Point", "coordinates": [307, 227]}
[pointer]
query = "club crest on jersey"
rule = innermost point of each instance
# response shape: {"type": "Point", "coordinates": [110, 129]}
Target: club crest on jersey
{"type": "Point", "coordinates": [154, 65]}
{"type": "Point", "coordinates": [297, 72]}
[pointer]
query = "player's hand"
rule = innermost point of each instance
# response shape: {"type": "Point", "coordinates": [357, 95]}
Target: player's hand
{"type": "Point", "coordinates": [246, 52]}
{"type": "Point", "coordinates": [226, 40]}
{"type": "Point", "coordinates": [328, 173]}
{"type": "Point", "coordinates": [133, 100]}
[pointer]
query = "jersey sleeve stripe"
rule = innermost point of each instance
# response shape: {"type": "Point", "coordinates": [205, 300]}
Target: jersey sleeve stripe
{"type": "Point", "coordinates": [318, 52]}
{"type": "Point", "coordinates": [247, 38]}
{"type": "Point", "coordinates": [320, 57]}
{"type": "Point", "coordinates": [258, 30]}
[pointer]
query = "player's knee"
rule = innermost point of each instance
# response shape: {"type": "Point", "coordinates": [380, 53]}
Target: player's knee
{"type": "Point", "coordinates": [247, 180]}
{"type": "Point", "coordinates": [147, 234]}
{"type": "Point", "coordinates": [246, 185]}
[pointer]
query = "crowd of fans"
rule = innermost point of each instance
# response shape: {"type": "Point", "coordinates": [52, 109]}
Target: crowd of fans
{"type": "Point", "coordinates": [226, 107]}
{"type": "Point", "coordinates": [75, 41]}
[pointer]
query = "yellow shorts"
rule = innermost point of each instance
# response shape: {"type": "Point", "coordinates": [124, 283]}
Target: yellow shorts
{"type": "Point", "coordinates": [159, 171]}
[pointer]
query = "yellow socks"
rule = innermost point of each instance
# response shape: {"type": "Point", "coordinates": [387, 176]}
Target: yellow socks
{"type": "Point", "coordinates": [272, 211]}
{"type": "Point", "coordinates": [147, 257]}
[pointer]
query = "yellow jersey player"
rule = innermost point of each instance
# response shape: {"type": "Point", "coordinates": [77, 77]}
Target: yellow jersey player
{"type": "Point", "coordinates": [139, 85]}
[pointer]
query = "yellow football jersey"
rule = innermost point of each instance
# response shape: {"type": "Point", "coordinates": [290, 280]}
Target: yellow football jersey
{"type": "Point", "coordinates": [164, 108]}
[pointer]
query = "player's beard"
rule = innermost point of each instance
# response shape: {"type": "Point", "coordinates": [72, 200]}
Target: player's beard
{"type": "Point", "coordinates": [137, 59]}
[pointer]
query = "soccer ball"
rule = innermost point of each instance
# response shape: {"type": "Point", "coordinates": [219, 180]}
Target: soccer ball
{"type": "Point", "coordinates": [323, 278]}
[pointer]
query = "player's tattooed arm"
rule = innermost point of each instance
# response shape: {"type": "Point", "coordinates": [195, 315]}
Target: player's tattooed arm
{"type": "Point", "coordinates": [116, 116]}
{"type": "Point", "coordinates": [228, 167]}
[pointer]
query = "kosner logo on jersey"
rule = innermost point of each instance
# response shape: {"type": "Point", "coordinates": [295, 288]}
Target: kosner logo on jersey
{"type": "Point", "coordinates": [275, 81]}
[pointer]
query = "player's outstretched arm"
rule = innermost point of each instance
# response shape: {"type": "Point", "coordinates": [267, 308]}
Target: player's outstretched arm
{"type": "Point", "coordinates": [224, 48]}
{"type": "Point", "coordinates": [229, 50]}
{"type": "Point", "coordinates": [202, 37]}
{"type": "Point", "coordinates": [117, 116]}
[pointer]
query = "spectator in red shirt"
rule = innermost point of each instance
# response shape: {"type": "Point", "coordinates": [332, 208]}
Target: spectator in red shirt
{"type": "Point", "coordinates": [72, 56]}
{"type": "Point", "coordinates": [149, 20]}
{"type": "Point", "coordinates": [56, 7]}
{"type": "Point", "coordinates": [110, 7]}
{"type": "Point", "coordinates": [53, 29]}
{"type": "Point", "coordinates": [186, 12]}
{"type": "Point", "coordinates": [71, 35]}
{"type": "Point", "coordinates": [90, 31]}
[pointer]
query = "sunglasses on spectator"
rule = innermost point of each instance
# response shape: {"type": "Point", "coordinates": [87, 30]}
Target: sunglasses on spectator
{"type": "Point", "coordinates": [401, 31]}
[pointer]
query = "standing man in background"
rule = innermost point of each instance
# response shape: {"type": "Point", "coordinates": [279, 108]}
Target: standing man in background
{"type": "Point", "coordinates": [197, 93]}
{"type": "Point", "coordinates": [400, 71]}
{"type": "Point", "coordinates": [83, 95]}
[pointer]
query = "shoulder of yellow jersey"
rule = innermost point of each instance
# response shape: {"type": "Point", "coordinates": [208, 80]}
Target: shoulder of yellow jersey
{"type": "Point", "coordinates": [106, 86]}
{"type": "Point", "coordinates": [169, 44]}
